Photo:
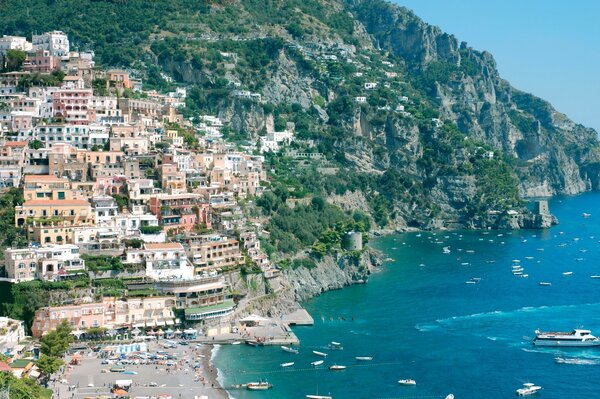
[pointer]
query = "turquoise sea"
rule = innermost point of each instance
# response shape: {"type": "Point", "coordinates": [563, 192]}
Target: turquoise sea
{"type": "Point", "coordinates": [419, 319]}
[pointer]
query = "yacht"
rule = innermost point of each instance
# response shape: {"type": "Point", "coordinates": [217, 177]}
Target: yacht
{"type": "Point", "coordinates": [528, 389]}
{"type": "Point", "coordinates": [574, 338]}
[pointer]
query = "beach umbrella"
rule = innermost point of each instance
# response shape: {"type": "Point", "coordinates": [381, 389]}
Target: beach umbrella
{"type": "Point", "coordinates": [177, 332]}
{"type": "Point", "coordinates": [160, 332]}
{"type": "Point", "coordinates": [169, 331]}
{"type": "Point", "coordinates": [151, 333]}
{"type": "Point", "coordinates": [136, 331]}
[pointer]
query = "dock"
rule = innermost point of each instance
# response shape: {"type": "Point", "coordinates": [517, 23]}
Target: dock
{"type": "Point", "coordinates": [298, 318]}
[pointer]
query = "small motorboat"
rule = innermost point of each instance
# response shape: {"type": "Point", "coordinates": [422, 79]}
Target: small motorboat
{"type": "Point", "coordinates": [364, 358]}
{"type": "Point", "coordinates": [320, 353]}
{"type": "Point", "coordinates": [450, 396]}
{"type": "Point", "coordinates": [545, 283]}
{"type": "Point", "coordinates": [335, 345]}
{"type": "Point", "coordinates": [337, 367]}
{"type": "Point", "coordinates": [290, 364]}
{"type": "Point", "coordinates": [318, 397]}
{"type": "Point", "coordinates": [518, 273]}
{"type": "Point", "coordinates": [407, 382]}
{"type": "Point", "coordinates": [595, 277]}
{"type": "Point", "coordinates": [258, 386]}
{"type": "Point", "coordinates": [528, 389]}
{"type": "Point", "coordinates": [290, 350]}
{"type": "Point", "coordinates": [254, 343]}
{"type": "Point", "coordinates": [567, 273]}
{"type": "Point", "coordinates": [236, 343]}
{"type": "Point", "coordinates": [586, 215]}
{"type": "Point", "coordinates": [317, 363]}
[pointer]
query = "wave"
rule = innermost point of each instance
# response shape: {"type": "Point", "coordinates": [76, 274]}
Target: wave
{"type": "Point", "coordinates": [502, 313]}
{"type": "Point", "coordinates": [426, 327]}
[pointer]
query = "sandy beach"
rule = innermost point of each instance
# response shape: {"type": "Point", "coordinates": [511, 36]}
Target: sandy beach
{"type": "Point", "coordinates": [210, 373]}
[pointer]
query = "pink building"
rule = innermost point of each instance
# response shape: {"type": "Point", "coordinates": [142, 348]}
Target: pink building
{"type": "Point", "coordinates": [73, 105]}
{"type": "Point", "coordinates": [41, 61]}
{"type": "Point", "coordinates": [180, 211]}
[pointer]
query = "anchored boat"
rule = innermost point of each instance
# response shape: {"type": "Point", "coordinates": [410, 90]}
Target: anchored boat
{"type": "Point", "coordinates": [290, 350]}
{"type": "Point", "coordinates": [258, 386]}
{"type": "Point", "coordinates": [528, 389]}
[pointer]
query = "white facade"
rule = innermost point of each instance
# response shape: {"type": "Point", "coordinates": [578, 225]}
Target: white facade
{"type": "Point", "coordinates": [14, 43]}
{"type": "Point", "coordinates": [162, 261]}
{"type": "Point", "coordinates": [56, 42]}
{"type": "Point", "coordinates": [11, 333]}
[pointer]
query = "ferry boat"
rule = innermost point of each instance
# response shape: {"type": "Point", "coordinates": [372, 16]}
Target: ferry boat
{"type": "Point", "coordinates": [528, 389]}
{"type": "Point", "coordinates": [574, 338]}
{"type": "Point", "coordinates": [258, 386]}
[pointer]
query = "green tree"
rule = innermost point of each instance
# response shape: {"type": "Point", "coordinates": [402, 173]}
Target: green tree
{"type": "Point", "coordinates": [13, 61]}
{"type": "Point", "coordinates": [56, 342]}
{"type": "Point", "coordinates": [48, 365]}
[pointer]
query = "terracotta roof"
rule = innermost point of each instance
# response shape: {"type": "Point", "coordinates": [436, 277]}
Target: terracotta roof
{"type": "Point", "coordinates": [55, 202]}
{"type": "Point", "coordinates": [166, 245]}
{"type": "Point", "coordinates": [4, 366]}
{"type": "Point", "coordinates": [15, 144]}
{"type": "Point", "coordinates": [30, 178]}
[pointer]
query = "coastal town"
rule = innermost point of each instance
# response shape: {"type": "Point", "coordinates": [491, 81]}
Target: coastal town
{"type": "Point", "coordinates": [144, 215]}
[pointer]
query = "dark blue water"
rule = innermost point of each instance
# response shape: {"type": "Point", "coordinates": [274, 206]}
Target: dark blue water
{"type": "Point", "coordinates": [419, 319]}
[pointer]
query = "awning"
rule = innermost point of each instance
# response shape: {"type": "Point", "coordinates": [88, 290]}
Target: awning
{"type": "Point", "coordinates": [150, 324]}
{"type": "Point", "coordinates": [253, 318]}
{"type": "Point", "coordinates": [170, 322]}
{"type": "Point", "coordinates": [160, 323]}
{"type": "Point", "coordinates": [190, 331]}
{"type": "Point", "coordinates": [139, 325]}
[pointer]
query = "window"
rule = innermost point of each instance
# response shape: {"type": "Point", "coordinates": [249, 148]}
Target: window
{"type": "Point", "coordinates": [61, 195]}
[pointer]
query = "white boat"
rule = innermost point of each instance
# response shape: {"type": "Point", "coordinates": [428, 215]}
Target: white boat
{"type": "Point", "coordinates": [236, 343]}
{"type": "Point", "coordinates": [364, 358]}
{"type": "Point", "coordinates": [476, 279]}
{"type": "Point", "coordinates": [446, 250]}
{"type": "Point", "coordinates": [528, 389]}
{"type": "Point", "coordinates": [318, 397]}
{"type": "Point", "coordinates": [524, 275]}
{"type": "Point", "coordinates": [586, 215]}
{"type": "Point", "coordinates": [450, 396]}
{"type": "Point", "coordinates": [320, 353]}
{"type": "Point", "coordinates": [337, 367]}
{"type": "Point", "coordinates": [567, 273]}
{"type": "Point", "coordinates": [518, 273]}
{"type": "Point", "coordinates": [335, 345]}
{"type": "Point", "coordinates": [595, 277]}
{"type": "Point", "coordinates": [573, 338]}
{"type": "Point", "coordinates": [407, 382]}
{"type": "Point", "coordinates": [545, 283]}
{"type": "Point", "coordinates": [258, 386]}
{"type": "Point", "coordinates": [290, 364]}
{"type": "Point", "coordinates": [289, 350]}
{"type": "Point", "coordinates": [470, 282]}
{"type": "Point", "coordinates": [316, 363]}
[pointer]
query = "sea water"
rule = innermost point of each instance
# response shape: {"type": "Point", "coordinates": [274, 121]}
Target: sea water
{"type": "Point", "coordinates": [419, 319]}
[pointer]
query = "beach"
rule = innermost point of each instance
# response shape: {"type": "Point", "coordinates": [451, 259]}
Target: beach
{"type": "Point", "coordinates": [181, 378]}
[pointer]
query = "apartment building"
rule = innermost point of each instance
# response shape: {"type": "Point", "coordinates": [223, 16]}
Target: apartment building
{"type": "Point", "coordinates": [212, 251]}
{"type": "Point", "coordinates": [50, 262]}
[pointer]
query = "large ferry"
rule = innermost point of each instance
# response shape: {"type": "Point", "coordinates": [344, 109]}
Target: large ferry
{"type": "Point", "coordinates": [574, 338]}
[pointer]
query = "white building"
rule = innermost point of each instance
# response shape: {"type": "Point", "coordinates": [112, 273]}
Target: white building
{"type": "Point", "coordinates": [360, 100]}
{"type": "Point", "coordinates": [11, 333]}
{"type": "Point", "coordinates": [42, 263]}
{"type": "Point", "coordinates": [162, 261]}
{"type": "Point", "coordinates": [14, 43]}
{"type": "Point", "coordinates": [56, 42]}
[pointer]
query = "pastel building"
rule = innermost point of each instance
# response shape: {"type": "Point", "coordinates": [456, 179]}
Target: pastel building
{"type": "Point", "coordinates": [180, 211]}
{"type": "Point", "coordinates": [110, 313]}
